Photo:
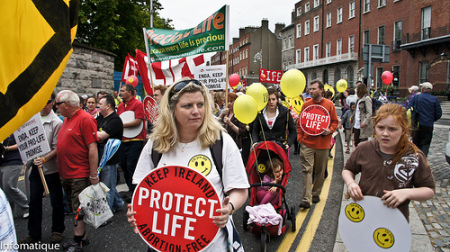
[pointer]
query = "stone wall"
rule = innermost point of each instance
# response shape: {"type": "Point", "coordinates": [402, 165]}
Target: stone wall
{"type": "Point", "coordinates": [88, 71]}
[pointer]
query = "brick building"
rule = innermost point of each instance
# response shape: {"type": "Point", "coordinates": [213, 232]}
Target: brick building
{"type": "Point", "coordinates": [252, 41]}
{"type": "Point", "coordinates": [330, 36]}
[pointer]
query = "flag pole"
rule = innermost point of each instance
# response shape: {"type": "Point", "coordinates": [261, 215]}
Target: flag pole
{"type": "Point", "coordinates": [226, 91]}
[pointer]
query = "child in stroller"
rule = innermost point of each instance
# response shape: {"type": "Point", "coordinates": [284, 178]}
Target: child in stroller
{"type": "Point", "coordinates": [273, 174]}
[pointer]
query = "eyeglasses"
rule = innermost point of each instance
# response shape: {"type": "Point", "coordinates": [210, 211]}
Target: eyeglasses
{"type": "Point", "coordinates": [49, 101]}
{"type": "Point", "coordinates": [59, 103]}
{"type": "Point", "coordinates": [180, 85]}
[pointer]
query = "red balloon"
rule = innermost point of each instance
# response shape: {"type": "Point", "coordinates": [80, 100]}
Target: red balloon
{"type": "Point", "coordinates": [387, 77]}
{"type": "Point", "coordinates": [132, 80]}
{"type": "Point", "coordinates": [234, 80]}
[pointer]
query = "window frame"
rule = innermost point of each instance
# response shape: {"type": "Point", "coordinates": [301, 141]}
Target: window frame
{"type": "Point", "coordinates": [340, 13]}
{"type": "Point", "coordinates": [316, 24]}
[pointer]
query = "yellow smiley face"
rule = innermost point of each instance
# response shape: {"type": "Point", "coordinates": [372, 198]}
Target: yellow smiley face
{"type": "Point", "coordinates": [383, 238]}
{"type": "Point", "coordinates": [201, 163]}
{"type": "Point", "coordinates": [261, 168]}
{"type": "Point", "coordinates": [296, 104]}
{"type": "Point", "coordinates": [354, 212]}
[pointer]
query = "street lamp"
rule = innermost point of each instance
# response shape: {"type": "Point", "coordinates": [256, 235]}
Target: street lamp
{"type": "Point", "coordinates": [258, 57]}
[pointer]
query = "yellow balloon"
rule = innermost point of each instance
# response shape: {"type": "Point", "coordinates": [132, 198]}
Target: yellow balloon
{"type": "Point", "coordinates": [259, 93]}
{"type": "Point", "coordinates": [341, 85]}
{"type": "Point", "coordinates": [292, 83]}
{"type": "Point", "coordinates": [328, 87]}
{"type": "Point", "coordinates": [297, 104]}
{"type": "Point", "coordinates": [285, 103]}
{"type": "Point", "coordinates": [245, 109]}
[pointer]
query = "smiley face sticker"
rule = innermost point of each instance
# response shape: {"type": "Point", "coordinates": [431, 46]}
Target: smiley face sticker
{"type": "Point", "coordinates": [201, 163]}
{"type": "Point", "coordinates": [297, 104]}
{"type": "Point", "coordinates": [261, 168]}
{"type": "Point", "coordinates": [384, 238]}
{"type": "Point", "coordinates": [354, 212]}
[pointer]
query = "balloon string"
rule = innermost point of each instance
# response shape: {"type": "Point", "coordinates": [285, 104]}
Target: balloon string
{"type": "Point", "coordinates": [254, 152]}
{"type": "Point", "coordinates": [265, 141]}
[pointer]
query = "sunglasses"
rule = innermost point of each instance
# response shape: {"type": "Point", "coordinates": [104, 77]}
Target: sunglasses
{"type": "Point", "coordinates": [182, 84]}
{"type": "Point", "coordinates": [49, 101]}
{"type": "Point", "coordinates": [59, 103]}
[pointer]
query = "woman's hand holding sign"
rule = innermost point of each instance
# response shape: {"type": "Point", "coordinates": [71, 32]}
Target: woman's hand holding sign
{"type": "Point", "coordinates": [225, 212]}
{"type": "Point", "coordinates": [131, 219]}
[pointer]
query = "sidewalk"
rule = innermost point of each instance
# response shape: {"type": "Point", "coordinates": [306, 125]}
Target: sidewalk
{"type": "Point", "coordinates": [420, 239]}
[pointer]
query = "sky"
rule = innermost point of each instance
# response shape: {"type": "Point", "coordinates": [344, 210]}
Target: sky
{"type": "Point", "coordinates": [188, 13]}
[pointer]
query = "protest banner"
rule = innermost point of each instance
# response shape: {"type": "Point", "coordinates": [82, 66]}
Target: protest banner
{"type": "Point", "coordinates": [214, 77]}
{"type": "Point", "coordinates": [270, 76]}
{"type": "Point", "coordinates": [150, 108]}
{"type": "Point", "coordinates": [314, 120]}
{"type": "Point", "coordinates": [31, 139]}
{"type": "Point", "coordinates": [174, 208]}
{"type": "Point", "coordinates": [211, 35]}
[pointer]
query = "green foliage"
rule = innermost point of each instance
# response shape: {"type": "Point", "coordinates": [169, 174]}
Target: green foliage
{"type": "Point", "coordinates": [440, 93]}
{"type": "Point", "coordinates": [116, 25]}
{"type": "Point", "coordinates": [390, 89]}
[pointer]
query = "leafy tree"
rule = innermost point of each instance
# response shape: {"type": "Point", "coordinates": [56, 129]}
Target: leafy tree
{"type": "Point", "coordinates": [116, 25]}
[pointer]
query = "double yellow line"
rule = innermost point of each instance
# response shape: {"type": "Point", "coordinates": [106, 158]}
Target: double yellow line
{"type": "Point", "coordinates": [313, 224]}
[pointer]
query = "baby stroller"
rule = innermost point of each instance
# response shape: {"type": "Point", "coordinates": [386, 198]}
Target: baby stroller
{"type": "Point", "coordinates": [255, 169]}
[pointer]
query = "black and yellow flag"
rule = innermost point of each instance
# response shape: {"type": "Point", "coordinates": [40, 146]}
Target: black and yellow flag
{"type": "Point", "coordinates": [36, 44]}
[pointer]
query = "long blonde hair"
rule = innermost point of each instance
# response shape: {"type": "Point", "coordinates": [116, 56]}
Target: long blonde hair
{"type": "Point", "coordinates": [399, 114]}
{"type": "Point", "coordinates": [165, 134]}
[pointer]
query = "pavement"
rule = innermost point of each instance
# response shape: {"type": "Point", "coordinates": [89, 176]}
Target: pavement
{"type": "Point", "coordinates": [429, 220]}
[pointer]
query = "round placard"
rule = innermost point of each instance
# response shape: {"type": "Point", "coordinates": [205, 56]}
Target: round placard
{"type": "Point", "coordinates": [369, 225]}
{"type": "Point", "coordinates": [150, 108]}
{"type": "Point", "coordinates": [174, 208]}
{"type": "Point", "coordinates": [314, 119]}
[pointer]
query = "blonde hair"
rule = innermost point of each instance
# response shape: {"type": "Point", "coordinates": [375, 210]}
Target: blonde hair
{"type": "Point", "coordinates": [399, 114]}
{"type": "Point", "coordinates": [165, 134]}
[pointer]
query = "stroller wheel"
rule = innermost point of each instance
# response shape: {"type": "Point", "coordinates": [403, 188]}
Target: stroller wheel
{"type": "Point", "coordinates": [245, 217]}
{"type": "Point", "coordinates": [293, 221]}
{"type": "Point", "coordinates": [263, 239]}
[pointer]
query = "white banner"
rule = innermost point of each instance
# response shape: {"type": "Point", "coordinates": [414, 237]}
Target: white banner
{"type": "Point", "coordinates": [214, 77]}
{"type": "Point", "coordinates": [31, 139]}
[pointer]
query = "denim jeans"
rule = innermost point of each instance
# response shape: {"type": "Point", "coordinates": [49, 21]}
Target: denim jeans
{"type": "Point", "coordinates": [108, 176]}
{"type": "Point", "coordinates": [56, 199]}
{"type": "Point", "coordinates": [129, 155]}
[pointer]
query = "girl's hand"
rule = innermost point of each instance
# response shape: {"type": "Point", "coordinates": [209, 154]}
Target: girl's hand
{"type": "Point", "coordinates": [354, 191]}
{"type": "Point", "coordinates": [394, 198]}
{"type": "Point", "coordinates": [273, 190]}
{"type": "Point", "coordinates": [131, 219]}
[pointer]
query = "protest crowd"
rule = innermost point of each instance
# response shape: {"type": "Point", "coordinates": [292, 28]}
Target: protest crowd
{"type": "Point", "coordinates": [192, 119]}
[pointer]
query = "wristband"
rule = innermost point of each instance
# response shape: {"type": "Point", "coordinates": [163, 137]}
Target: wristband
{"type": "Point", "coordinates": [96, 177]}
{"type": "Point", "coordinates": [44, 160]}
{"type": "Point", "coordinates": [232, 208]}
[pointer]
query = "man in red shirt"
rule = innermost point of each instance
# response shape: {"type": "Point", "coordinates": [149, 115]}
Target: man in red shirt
{"type": "Point", "coordinates": [77, 157]}
{"type": "Point", "coordinates": [131, 147]}
{"type": "Point", "coordinates": [314, 148]}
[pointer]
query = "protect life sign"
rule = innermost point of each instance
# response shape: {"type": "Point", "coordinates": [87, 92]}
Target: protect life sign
{"type": "Point", "coordinates": [31, 139]}
{"type": "Point", "coordinates": [174, 209]}
{"type": "Point", "coordinates": [314, 119]}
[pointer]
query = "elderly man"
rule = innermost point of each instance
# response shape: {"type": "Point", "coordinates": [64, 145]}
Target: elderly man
{"type": "Point", "coordinates": [131, 147]}
{"type": "Point", "coordinates": [77, 158]}
{"type": "Point", "coordinates": [314, 149]}
{"type": "Point", "coordinates": [109, 126]}
{"type": "Point", "coordinates": [427, 110]}
{"type": "Point", "coordinates": [51, 124]}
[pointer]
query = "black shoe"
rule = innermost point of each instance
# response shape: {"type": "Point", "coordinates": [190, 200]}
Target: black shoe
{"type": "Point", "coordinates": [315, 199]}
{"type": "Point", "coordinates": [72, 246]}
{"type": "Point", "coordinates": [305, 204]}
{"type": "Point", "coordinates": [28, 240]}
{"type": "Point", "coordinates": [329, 155]}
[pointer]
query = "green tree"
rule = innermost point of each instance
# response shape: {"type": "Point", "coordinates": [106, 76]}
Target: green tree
{"type": "Point", "coordinates": [116, 25]}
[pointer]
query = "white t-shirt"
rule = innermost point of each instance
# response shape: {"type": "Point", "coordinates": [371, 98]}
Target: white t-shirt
{"type": "Point", "coordinates": [233, 172]}
{"type": "Point", "coordinates": [357, 123]}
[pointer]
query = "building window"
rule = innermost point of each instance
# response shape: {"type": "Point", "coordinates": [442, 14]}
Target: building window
{"type": "Point", "coordinates": [350, 76]}
{"type": "Point", "coordinates": [426, 22]}
{"type": "Point", "coordinates": [398, 30]}
{"type": "Point", "coordinates": [328, 19]}
{"type": "Point", "coordinates": [423, 71]}
{"type": "Point", "coordinates": [396, 73]}
{"type": "Point", "coordinates": [325, 76]}
{"type": "Point", "coordinates": [339, 15]}
{"type": "Point", "coordinates": [351, 43]}
{"type": "Point", "coordinates": [337, 74]}
{"type": "Point", "coordinates": [316, 23]}
{"type": "Point", "coordinates": [316, 52]}
{"type": "Point", "coordinates": [240, 55]}
{"type": "Point", "coordinates": [285, 45]}
{"type": "Point", "coordinates": [299, 30]}
{"type": "Point", "coordinates": [328, 50]}
{"type": "Point", "coordinates": [298, 54]}
{"type": "Point", "coordinates": [351, 9]}
{"type": "Point", "coordinates": [366, 6]}
{"type": "Point", "coordinates": [291, 44]}
{"type": "Point", "coordinates": [328, 1]}
{"type": "Point", "coordinates": [381, 3]}
{"type": "Point", "coordinates": [316, 3]}
{"type": "Point", "coordinates": [299, 11]}
{"type": "Point", "coordinates": [314, 75]}
{"type": "Point", "coordinates": [307, 7]}
{"type": "Point", "coordinates": [381, 35]}
{"type": "Point", "coordinates": [339, 47]}
{"type": "Point", "coordinates": [306, 54]}
{"type": "Point", "coordinates": [379, 73]}
{"type": "Point", "coordinates": [366, 36]}
{"type": "Point", "coordinates": [306, 27]}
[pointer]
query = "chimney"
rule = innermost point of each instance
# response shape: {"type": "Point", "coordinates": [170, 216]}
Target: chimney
{"type": "Point", "coordinates": [241, 32]}
{"type": "Point", "coordinates": [278, 28]}
{"type": "Point", "coordinates": [265, 24]}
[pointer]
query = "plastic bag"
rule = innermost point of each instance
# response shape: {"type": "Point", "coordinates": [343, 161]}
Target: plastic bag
{"type": "Point", "coordinates": [94, 204]}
